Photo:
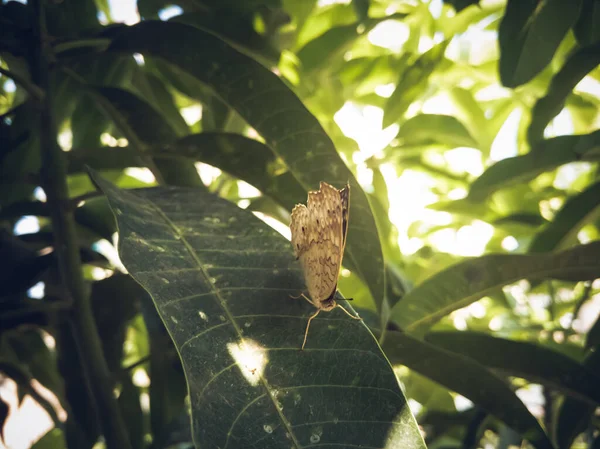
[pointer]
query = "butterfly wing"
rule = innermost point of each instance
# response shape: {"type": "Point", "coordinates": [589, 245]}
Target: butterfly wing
{"type": "Point", "coordinates": [319, 236]}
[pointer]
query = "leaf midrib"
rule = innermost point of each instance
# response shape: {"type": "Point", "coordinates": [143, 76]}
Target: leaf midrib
{"type": "Point", "coordinates": [221, 301]}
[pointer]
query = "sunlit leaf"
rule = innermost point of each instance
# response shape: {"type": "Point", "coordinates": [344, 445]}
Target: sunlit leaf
{"type": "Point", "coordinates": [529, 35]}
{"type": "Point", "coordinates": [221, 281]}
{"type": "Point", "coordinates": [546, 155]}
{"type": "Point", "coordinates": [468, 281]}
{"type": "Point", "coordinates": [425, 129]}
{"type": "Point", "coordinates": [412, 83]}
{"type": "Point", "coordinates": [587, 28]}
{"type": "Point", "coordinates": [269, 106]}
{"type": "Point", "coordinates": [468, 378]}
{"type": "Point", "coordinates": [572, 216]}
{"type": "Point", "coordinates": [576, 67]}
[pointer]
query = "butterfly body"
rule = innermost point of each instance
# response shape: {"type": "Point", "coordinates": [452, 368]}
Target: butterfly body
{"type": "Point", "coordinates": [319, 231]}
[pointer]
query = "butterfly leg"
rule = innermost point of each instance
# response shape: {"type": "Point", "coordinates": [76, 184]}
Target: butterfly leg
{"type": "Point", "coordinates": [307, 326]}
{"type": "Point", "coordinates": [349, 314]}
{"type": "Point", "coordinates": [302, 295]}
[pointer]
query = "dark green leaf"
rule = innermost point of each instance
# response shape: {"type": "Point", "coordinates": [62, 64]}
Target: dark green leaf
{"type": "Point", "coordinates": [412, 83]}
{"type": "Point", "coordinates": [527, 360]}
{"type": "Point", "coordinates": [547, 155]}
{"type": "Point", "coordinates": [143, 125]}
{"type": "Point", "coordinates": [587, 28]}
{"type": "Point", "coordinates": [576, 67]}
{"type": "Point", "coordinates": [468, 378]}
{"type": "Point", "coordinates": [459, 5]}
{"type": "Point", "coordinates": [131, 410]}
{"type": "Point", "coordinates": [270, 107]}
{"type": "Point", "coordinates": [592, 339]}
{"type": "Point", "coordinates": [573, 416]}
{"type": "Point", "coordinates": [529, 35]}
{"type": "Point", "coordinates": [4, 409]}
{"type": "Point", "coordinates": [575, 213]}
{"type": "Point", "coordinates": [54, 439]}
{"type": "Point", "coordinates": [221, 281]}
{"type": "Point", "coordinates": [468, 281]}
{"type": "Point", "coordinates": [426, 129]}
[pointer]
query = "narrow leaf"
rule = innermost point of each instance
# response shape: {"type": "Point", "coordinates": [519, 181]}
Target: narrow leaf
{"type": "Point", "coordinates": [529, 35]}
{"type": "Point", "coordinates": [468, 378]}
{"type": "Point", "coordinates": [528, 360]}
{"type": "Point", "coordinates": [545, 156]}
{"type": "Point", "coordinates": [468, 281]}
{"type": "Point", "coordinates": [575, 213]}
{"type": "Point", "coordinates": [426, 129]}
{"type": "Point", "coordinates": [576, 67]}
{"type": "Point", "coordinates": [221, 281]}
{"type": "Point", "coordinates": [412, 83]}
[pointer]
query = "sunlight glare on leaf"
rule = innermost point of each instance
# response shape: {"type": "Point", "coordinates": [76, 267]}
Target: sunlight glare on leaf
{"type": "Point", "coordinates": [170, 12]}
{"type": "Point", "coordinates": [250, 357]}
{"type": "Point", "coordinates": [283, 229]}
{"type": "Point", "coordinates": [569, 173]}
{"type": "Point", "coordinates": [561, 125]}
{"type": "Point", "coordinates": [27, 225]}
{"type": "Point", "coordinates": [142, 173]}
{"type": "Point", "coordinates": [390, 34]}
{"type": "Point", "coordinates": [124, 11]}
{"type": "Point", "coordinates": [191, 114]}
{"type": "Point", "coordinates": [463, 159]}
{"type": "Point", "coordinates": [207, 173]}
{"type": "Point", "coordinates": [37, 291]}
{"type": "Point", "coordinates": [505, 144]}
{"type": "Point", "coordinates": [509, 243]}
{"type": "Point", "coordinates": [469, 241]}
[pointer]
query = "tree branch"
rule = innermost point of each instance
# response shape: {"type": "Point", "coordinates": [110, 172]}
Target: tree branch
{"type": "Point", "coordinates": [54, 181]}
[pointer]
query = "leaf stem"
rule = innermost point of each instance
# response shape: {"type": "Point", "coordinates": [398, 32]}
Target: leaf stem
{"type": "Point", "coordinates": [54, 181]}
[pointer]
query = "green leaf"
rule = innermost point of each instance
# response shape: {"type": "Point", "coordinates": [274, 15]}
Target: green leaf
{"type": "Point", "coordinates": [143, 125]}
{"type": "Point", "coordinates": [221, 280]}
{"type": "Point", "coordinates": [271, 108]}
{"type": "Point", "coordinates": [581, 62]}
{"type": "Point", "coordinates": [572, 216]}
{"type": "Point", "coordinates": [459, 5]}
{"type": "Point", "coordinates": [427, 129]}
{"type": "Point", "coordinates": [330, 46]}
{"type": "Point", "coordinates": [468, 281]}
{"type": "Point", "coordinates": [593, 336]}
{"type": "Point", "coordinates": [412, 83]}
{"type": "Point", "coordinates": [529, 35]}
{"type": "Point", "coordinates": [527, 360]}
{"type": "Point", "coordinates": [547, 155]}
{"type": "Point", "coordinates": [587, 28]}
{"type": "Point", "coordinates": [468, 378]}
{"type": "Point", "coordinates": [573, 416]}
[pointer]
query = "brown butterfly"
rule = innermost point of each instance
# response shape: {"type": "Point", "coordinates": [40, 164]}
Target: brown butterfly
{"type": "Point", "coordinates": [319, 237]}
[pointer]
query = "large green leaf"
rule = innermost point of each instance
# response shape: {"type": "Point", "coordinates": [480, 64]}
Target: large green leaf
{"type": "Point", "coordinates": [468, 281]}
{"type": "Point", "coordinates": [221, 281]}
{"type": "Point", "coordinates": [527, 360]}
{"type": "Point", "coordinates": [425, 129]}
{"type": "Point", "coordinates": [576, 67]}
{"type": "Point", "coordinates": [575, 213]}
{"type": "Point", "coordinates": [271, 108]}
{"type": "Point", "coordinates": [546, 155]}
{"type": "Point", "coordinates": [529, 35]}
{"type": "Point", "coordinates": [468, 378]}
